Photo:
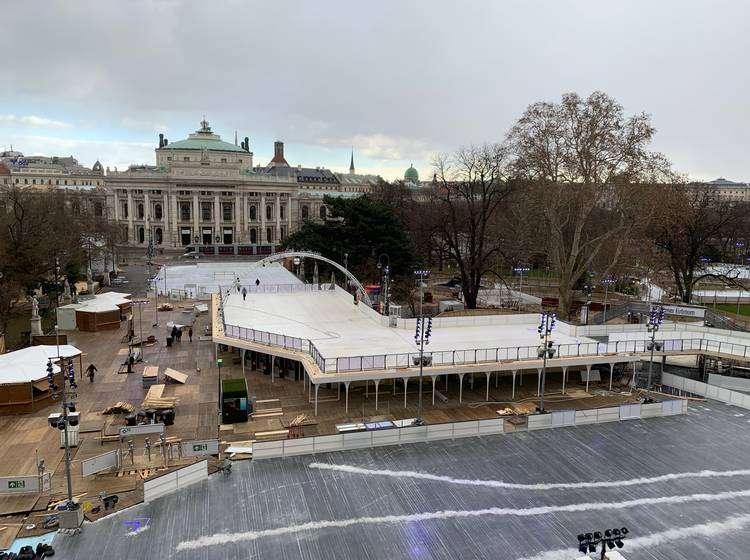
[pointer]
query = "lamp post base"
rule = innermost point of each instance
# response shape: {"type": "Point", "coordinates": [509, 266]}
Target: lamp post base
{"type": "Point", "coordinates": [71, 519]}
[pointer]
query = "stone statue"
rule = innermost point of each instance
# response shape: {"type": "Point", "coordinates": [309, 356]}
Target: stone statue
{"type": "Point", "coordinates": [34, 307]}
{"type": "Point", "coordinates": [66, 290]}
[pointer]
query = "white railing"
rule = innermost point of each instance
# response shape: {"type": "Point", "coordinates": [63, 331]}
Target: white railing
{"type": "Point", "coordinates": [705, 390]}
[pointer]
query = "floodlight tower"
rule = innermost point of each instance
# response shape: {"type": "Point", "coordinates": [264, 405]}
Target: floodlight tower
{"type": "Point", "coordinates": [521, 270]}
{"type": "Point", "coordinates": [656, 318]}
{"type": "Point", "coordinates": [545, 350]}
{"type": "Point", "coordinates": [589, 542]}
{"type": "Point", "coordinates": [421, 338]}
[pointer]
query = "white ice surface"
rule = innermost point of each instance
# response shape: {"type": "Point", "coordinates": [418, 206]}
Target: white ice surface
{"type": "Point", "coordinates": [338, 328]}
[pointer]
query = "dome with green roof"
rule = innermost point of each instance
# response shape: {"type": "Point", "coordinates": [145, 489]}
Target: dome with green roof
{"type": "Point", "coordinates": [203, 139]}
{"type": "Point", "coordinates": [411, 174]}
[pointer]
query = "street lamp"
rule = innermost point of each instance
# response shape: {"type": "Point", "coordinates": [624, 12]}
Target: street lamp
{"type": "Point", "coordinates": [386, 280]}
{"type": "Point", "coordinates": [422, 337]}
{"type": "Point", "coordinates": [656, 318]}
{"type": "Point", "coordinates": [545, 350]}
{"type": "Point", "coordinates": [297, 262]}
{"type": "Point", "coordinates": [606, 282]}
{"type": "Point", "coordinates": [521, 270]}
{"type": "Point", "coordinates": [588, 542]}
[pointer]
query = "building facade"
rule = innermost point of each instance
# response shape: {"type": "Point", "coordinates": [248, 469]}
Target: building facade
{"type": "Point", "coordinates": [730, 190]}
{"type": "Point", "coordinates": [37, 173]}
{"type": "Point", "coordinates": [206, 192]}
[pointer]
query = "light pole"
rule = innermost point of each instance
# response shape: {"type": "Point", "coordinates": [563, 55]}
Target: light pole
{"type": "Point", "coordinates": [521, 270]}
{"type": "Point", "coordinates": [151, 281]}
{"type": "Point", "coordinates": [421, 337]}
{"type": "Point", "coordinates": [545, 350]}
{"type": "Point", "coordinates": [64, 420]}
{"type": "Point", "coordinates": [386, 280]}
{"type": "Point", "coordinates": [656, 318]}
{"type": "Point", "coordinates": [606, 282]}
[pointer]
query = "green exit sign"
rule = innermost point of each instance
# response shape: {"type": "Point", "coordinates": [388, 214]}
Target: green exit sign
{"type": "Point", "coordinates": [200, 447]}
{"type": "Point", "coordinates": [16, 484]}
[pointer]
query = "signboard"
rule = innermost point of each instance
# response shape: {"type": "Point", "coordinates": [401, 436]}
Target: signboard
{"type": "Point", "coordinates": [100, 463]}
{"type": "Point", "coordinates": [685, 311]}
{"type": "Point", "coordinates": [128, 431]}
{"type": "Point", "coordinates": [198, 448]}
{"type": "Point", "coordinates": [19, 484]}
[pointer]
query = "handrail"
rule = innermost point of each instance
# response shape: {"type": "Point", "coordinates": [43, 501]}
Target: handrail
{"type": "Point", "coordinates": [479, 355]}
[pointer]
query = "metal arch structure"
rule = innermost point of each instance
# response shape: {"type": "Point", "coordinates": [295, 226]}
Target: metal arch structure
{"type": "Point", "coordinates": [315, 256]}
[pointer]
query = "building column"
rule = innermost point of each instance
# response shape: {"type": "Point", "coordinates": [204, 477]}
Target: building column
{"type": "Point", "coordinates": [565, 372]}
{"type": "Point", "coordinates": [460, 387]}
{"type": "Point", "coordinates": [588, 375]}
{"type": "Point", "coordinates": [166, 231]}
{"type": "Point", "coordinates": [434, 380]}
{"type": "Point", "coordinates": [239, 218]}
{"type": "Point", "coordinates": [262, 210]}
{"type": "Point", "coordinates": [196, 220]}
{"type": "Point", "coordinates": [346, 389]}
{"type": "Point", "coordinates": [131, 229]}
{"type": "Point", "coordinates": [218, 229]}
{"type": "Point", "coordinates": [289, 214]}
{"type": "Point", "coordinates": [377, 382]}
{"type": "Point", "coordinates": [487, 396]}
{"type": "Point", "coordinates": [277, 237]}
{"type": "Point", "coordinates": [177, 234]}
{"type": "Point", "coordinates": [513, 391]}
{"type": "Point", "coordinates": [146, 216]}
{"type": "Point", "coordinates": [406, 382]}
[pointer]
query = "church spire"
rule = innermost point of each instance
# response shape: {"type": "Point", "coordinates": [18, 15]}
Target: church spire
{"type": "Point", "coordinates": [351, 165]}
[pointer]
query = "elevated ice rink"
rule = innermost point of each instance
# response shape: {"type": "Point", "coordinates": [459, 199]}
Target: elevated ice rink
{"type": "Point", "coordinates": [339, 328]}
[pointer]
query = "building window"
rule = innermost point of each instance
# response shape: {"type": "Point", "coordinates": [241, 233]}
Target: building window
{"type": "Point", "coordinates": [305, 212]}
{"type": "Point", "coordinates": [253, 236]}
{"type": "Point", "coordinates": [268, 212]}
{"type": "Point", "coordinates": [157, 211]}
{"type": "Point", "coordinates": [159, 236]}
{"type": "Point", "coordinates": [76, 208]}
{"type": "Point", "coordinates": [169, 158]}
{"type": "Point", "coordinates": [206, 211]}
{"type": "Point", "coordinates": [269, 235]}
{"type": "Point", "coordinates": [186, 158]}
{"type": "Point", "coordinates": [281, 212]}
{"type": "Point", "coordinates": [323, 212]}
{"type": "Point", "coordinates": [124, 209]}
{"type": "Point", "coordinates": [253, 214]}
{"type": "Point", "coordinates": [140, 210]}
{"type": "Point", "coordinates": [226, 211]}
{"type": "Point", "coordinates": [185, 211]}
{"type": "Point", "coordinates": [98, 209]}
{"type": "Point", "coordinates": [141, 235]}
{"type": "Point", "coordinates": [223, 160]}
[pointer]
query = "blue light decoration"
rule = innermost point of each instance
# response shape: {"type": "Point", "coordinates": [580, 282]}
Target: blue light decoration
{"type": "Point", "coordinates": [72, 375]}
{"type": "Point", "coordinates": [547, 324]}
{"type": "Point", "coordinates": [416, 333]}
{"type": "Point", "coordinates": [428, 333]}
{"type": "Point", "coordinates": [51, 376]}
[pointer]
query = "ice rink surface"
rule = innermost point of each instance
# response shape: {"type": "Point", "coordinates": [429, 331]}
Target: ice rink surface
{"type": "Point", "coordinates": [679, 484]}
{"type": "Point", "coordinates": [211, 275]}
{"type": "Point", "coordinates": [338, 328]}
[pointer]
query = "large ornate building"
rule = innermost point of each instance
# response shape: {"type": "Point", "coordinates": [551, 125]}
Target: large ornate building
{"type": "Point", "coordinates": [207, 192]}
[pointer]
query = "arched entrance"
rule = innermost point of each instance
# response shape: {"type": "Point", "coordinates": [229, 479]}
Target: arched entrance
{"type": "Point", "coordinates": [307, 255]}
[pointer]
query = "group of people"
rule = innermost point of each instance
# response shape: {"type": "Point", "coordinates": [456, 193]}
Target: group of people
{"type": "Point", "coordinates": [177, 334]}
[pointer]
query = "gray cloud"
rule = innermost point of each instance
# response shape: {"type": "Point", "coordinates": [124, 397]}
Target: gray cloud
{"type": "Point", "coordinates": [407, 79]}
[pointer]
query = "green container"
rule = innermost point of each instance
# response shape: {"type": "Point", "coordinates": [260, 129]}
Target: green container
{"type": "Point", "coordinates": [235, 404]}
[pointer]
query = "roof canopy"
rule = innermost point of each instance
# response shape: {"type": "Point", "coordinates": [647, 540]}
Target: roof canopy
{"type": "Point", "coordinates": [30, 364]}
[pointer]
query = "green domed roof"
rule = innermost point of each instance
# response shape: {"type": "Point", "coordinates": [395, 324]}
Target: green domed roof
{"type": "Point", "coordinates": [411, 174]}
{"type": "Point", "coordinates": [201, 143]}
{"type": "Point", "coordinates": [203, 139]}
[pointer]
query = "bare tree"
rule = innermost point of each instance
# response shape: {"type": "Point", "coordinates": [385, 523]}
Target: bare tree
{"type": "Point", "coordinates": [694, 223]}
{"type": "Point", "coordinates": [588, 170]}
{"type": "Point", "coordinates": [469, 189]}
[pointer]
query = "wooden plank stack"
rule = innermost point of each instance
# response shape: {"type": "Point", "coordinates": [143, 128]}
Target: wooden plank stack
{"type": "Point", "coordinates": [154, 398]}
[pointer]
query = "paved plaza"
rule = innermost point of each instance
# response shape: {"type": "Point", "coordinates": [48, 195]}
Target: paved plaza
{"type": "Point", "coordinates": [516, 496]}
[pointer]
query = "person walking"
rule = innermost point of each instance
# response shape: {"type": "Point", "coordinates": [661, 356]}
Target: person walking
{"type": "Point", "coordinates": [190, 334]}
{"type": "Point", "coordinates": [90, 371]}
{"type": "Point", "coordinates": [174, 333]}
{"type": "Point", "coordinates": [244, 293]}
{"type": "Point", "coordinates": [179, 335]}
{"type": "Point", "coordinates": [257, 282]}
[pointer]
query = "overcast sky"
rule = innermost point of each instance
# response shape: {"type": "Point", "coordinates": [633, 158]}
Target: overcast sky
{"type": "Point", "coordinates": [397, 80]}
